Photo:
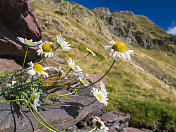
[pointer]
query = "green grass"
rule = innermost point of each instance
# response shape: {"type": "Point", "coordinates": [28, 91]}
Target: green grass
{"type": "Point", "coordinates": [130, 89]}
{"type": "Point", "coordinates": [149, 113]}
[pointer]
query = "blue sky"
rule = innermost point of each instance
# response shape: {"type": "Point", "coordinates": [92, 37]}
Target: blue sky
{"type": "Point", "coordinates": [161, 12]}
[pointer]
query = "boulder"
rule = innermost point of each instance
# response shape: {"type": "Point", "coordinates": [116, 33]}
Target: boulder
{"type": "Point", "coordinates": [115, 121]}
{"type": "Point", "coordinates": [17, 19]}
{"type": "Point", "coordinates": [8, 66]}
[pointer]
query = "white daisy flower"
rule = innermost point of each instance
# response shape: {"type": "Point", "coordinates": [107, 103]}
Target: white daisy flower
{"type": "Point", "coordinates": [91, 52]}
{"type": "Point", "coordinates": [100, 96]}
{"type": "Point", "coordinates": [62, 43]}
{"type": "Point", "coordinates": [61, 72]}
{"type": "Point", "coordinates": [103, 89]}
{"type": "Point", "coordinates": [35, 98]}
{"type": "Point", "coordinates": [71, 64]}
{"type": "Point", "coordinates": [28, 42]}
{"type": "Point", "coordinates": [119, 50]}
{"type": "Point", "coordinates": [97, 122]}
{"type": "Point", "coordinates": [47, 49]}
{"type": "Point", "coordinates": [83, 81]}
{"type": "Point", "coordinates": [14, 82]}
{"type": "Point", "coordinates": [36, 70]}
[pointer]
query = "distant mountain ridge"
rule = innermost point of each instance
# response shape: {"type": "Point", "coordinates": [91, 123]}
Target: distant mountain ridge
{"type": "Point", "coordinates": [137, 29]}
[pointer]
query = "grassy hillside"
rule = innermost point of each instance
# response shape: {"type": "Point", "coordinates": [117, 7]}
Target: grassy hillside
{"type": "Point", "coordinates": [150, 101]}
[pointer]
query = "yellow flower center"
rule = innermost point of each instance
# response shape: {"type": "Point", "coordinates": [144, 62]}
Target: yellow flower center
{"type": "Point", "coordinates": [119, 47]}
{"type": "Point", "coordinates": [47, 47]}
{"type": "Point", "coordinates": [29, 41]}
{"type": "Point", "coordinates": [100, 97]}
{"type": "Point", "coordinates": [38, 68]}
{"type": "Point", "coordinates": [61, 72]}
{"type": "Point", "coordinates": [72, 67]}
{"type": "Point", "coordinates": [98, 124]}
{"type": "Point", "coordinates": [82, 81]}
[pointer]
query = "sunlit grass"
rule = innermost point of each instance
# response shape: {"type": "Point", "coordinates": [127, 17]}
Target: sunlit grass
{"type": "Point", "coordinates": [130, 88]}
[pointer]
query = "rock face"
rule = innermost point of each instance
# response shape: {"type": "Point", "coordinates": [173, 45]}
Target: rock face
{"type": "Point", "coordinates": [101, 11]}
{"type": "Point", "coordinates": [129, 13]}
{"type": "Point", "coordinates": [118, 121]}
{"type": "Point", "coordinates": [128, 26]}
{"type": "Point", "coordinates": [113, 120]}
{"type": "Point", "coordinates": [17, 18]}
{"type": "Point", "coordinates": [131, 129]}
{"type": "Point", "coordinates": [143, 40]}
{"type": "Point", "coordinates": [8, 66]}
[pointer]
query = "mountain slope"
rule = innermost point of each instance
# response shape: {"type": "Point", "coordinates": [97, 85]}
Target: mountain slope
{"type": "Point", "coordinates": [137, 87]}
{"type": "Point", "coordinates": [138, 30]}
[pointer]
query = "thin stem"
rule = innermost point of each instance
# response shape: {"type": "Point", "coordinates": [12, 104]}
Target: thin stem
{"type": "Point", "coordinates": [56, 75]}
{"type": "Point", "coordinates": [83, 58]}
{"type": "Point", "coordinates": [38, 120]}
{"type": "Point", "coordinates": [12, 101]}
{"type": "Point", "coordinates": [95, 81]}
{"type": "Point", "coordinates": [57, 47]}
{"type": "Point", "coordinates": [64, 105]}
{"type": "Point", "coordinates": [66, 74]}
{"type": "Point", "coordinates": [43, 119]}
{"type": "Point", "coordinates": [90, 103]}
{"type": "Point", "coordinates": [21, 79]}
{"type": "Point", "coordinates": [93, 129]}
{"type": "Point", "coordinates": [25, 56]}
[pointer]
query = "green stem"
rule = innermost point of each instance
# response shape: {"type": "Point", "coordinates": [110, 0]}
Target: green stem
{"type": "Point", "coordinates": [95, 81]}
{"type": "Point", "coordinates": [25, 56]}
{"type": "Point", "coordinates": [93, 129]}
{"type": "Point", "coordinates": [43, 119]}
{"type": "Point", "coordinates": [56, 75]}
{"type": "Point", "coordinates": [21, 79]}
{"type": "Point", "coordinates": [12, 101]}
{"type": "Point", "coordinates": [90, 103]}
{"type": "Point", "coordinates": [57, 47]}
{"type": "Point", "coordinates": [64, 105]}
{"type": "Point", "coordinates": [38, 120]}
{"type": "Point", "coordinates": [83, 58]}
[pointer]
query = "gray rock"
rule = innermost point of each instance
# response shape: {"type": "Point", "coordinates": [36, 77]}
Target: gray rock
{"type": "Point", "coordinates": [20, 18]}
{"type": "Point", "coordinates": [142, 39]}
{"type": "Point", "coordinates": [8, 66]}
{"type": "Point", "coordinates": [101, 11]}
{"type": "Point", "coordinates": [13, 117]}
{"type": "Point", "coordinates": [130, 13]}
{"type": "Point", "coordinates": [131, 129]}
{"type": "Point", "coordinates": [116, 120]}
{"type": "Point", "coordinates": [17, 19]}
